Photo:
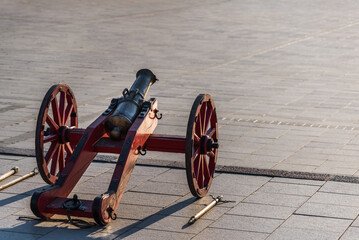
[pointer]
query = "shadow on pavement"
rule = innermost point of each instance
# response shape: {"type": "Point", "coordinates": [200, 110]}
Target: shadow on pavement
{"type": "Point", "coordinates": [132, 229]}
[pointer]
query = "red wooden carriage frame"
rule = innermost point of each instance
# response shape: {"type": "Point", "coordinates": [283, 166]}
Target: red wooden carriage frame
{"type": "Point", "coordinates": [64, 152]}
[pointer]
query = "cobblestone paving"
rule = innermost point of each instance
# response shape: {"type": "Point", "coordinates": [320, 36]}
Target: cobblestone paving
{"type": "Point", "coordinates": [283, 75]}
{"type": "Point", "coordinates": [157, 204]}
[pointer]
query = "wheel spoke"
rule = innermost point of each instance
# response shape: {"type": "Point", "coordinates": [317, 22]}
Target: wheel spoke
{"type": "Point", "coordinates": [197, 140]}
{"type": "Point", "coordinates": [196, 165]}
{"type": "Point", "coordinates": [211, 132]}
{"type": "Point", "coordinates": [208, 119]}
{"type": "Point", "coordinates": [203, 117]}
{"type": "Point", "coordinates": [195, 154]}
{"type": "Point", "coordinates": [206, 169]}
{"type": "Point", "coordinates": [68, 111]}
{"type": "Point", "coordinates": [61, 158]}
{"type": "Point", "coordinates": [198, 127]}
{"type": "Point", "coordinates": [50, 153]}
{"type": "Point", "coordinates": [55, 111]}
{"type": "Point", "coordinates": [50, 138]}
{"type": "Point", "coordinates": [53, 125]}
{"type": "Point", "coordinates": [55, 160]}
{"type": "Point", "coordinates": [68, 148]}
{"type": "Point", "coordinates": [62, 106]}
{"type": "Point", "coordinates": [200, 173]}
{"type": "Point", "coordinates": [211, 165]}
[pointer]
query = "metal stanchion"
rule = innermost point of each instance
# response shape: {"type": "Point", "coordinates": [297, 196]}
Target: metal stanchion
{"type": "Point", "coordinates": [30, 174]}
{"type": "Point", "coordinates": [13, 171]}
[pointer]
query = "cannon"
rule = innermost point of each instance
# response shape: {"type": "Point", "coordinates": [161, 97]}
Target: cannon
{"type": "Point", "coordinates": [64, 151]}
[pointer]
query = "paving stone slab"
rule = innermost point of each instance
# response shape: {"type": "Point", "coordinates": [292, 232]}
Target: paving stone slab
{"type": "Point", "coordinates": [351, 233]}
{"type": "Point", "coordinates": [283, 233]}
{"type": "Point", "coordinates": [233, 199]}
{"type": "Point", "coordinates": [96, 232]}
{"type": "Point", "coordinates": [335, 199]}
{"type": "Point", "coordinates": [276, 199]}
{"type": "Point", "coordinates": [172, 176]}
{"type": "Point", "coordinates": [297, 181]}
{"type": "Point", "coordinates": [355, 223]}
{"type": "Point", "coordinates": [340, 188]}
{"type": "Point", "coordinates": [14, 224]}
{"type": "Point", "coordinates": [138, 233]}
{"type": "Point", "coordinates": [27, 188]}
{"type": "Point", "coordinates": [188, 210]}
{"type": "Point", "coordinates": [245, 223]}
{"type": "Point", "coordinates": [14, 200]}
{"type": "Point", "coordinates": [139, 212]}
{"type": "Point", "coordinates": [220, 233]}
{"type": "Point", "coordinates": [5, 212]}
{"type": "Point", "coordinates": [290, 189]}
{"type": "Point", "coordinates": [155, 200]}
{"type": "Point", "coordinates": [174, 224]}
{"type": "Point", "coordinates": [327, 210]}
{"type": "Point", "coordinates": [148, 170]}
{"type": "Point", "coordinates": [229, 179]}
{"type": "Point", "coordinates": [262, 210]}
{"type": "Point", "coordinates": [17, 235]}
{"type": "Point", "coordinates": [162, 188]}
{"type": "Point", "coordinates": [322, 224]}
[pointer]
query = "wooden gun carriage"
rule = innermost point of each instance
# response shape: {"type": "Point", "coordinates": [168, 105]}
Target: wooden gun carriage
{"type": "Point", "coordinates": [64, 151]}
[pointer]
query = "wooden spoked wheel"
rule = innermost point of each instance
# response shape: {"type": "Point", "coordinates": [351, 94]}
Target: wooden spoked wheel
{"type": "Point", "coordinates": [58, 112]}
{"type": "Point", "coordinates": [201, 145]}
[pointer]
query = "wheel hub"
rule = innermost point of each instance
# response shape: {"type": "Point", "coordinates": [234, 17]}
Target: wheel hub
{"type": "Point", "coordinates": [63, 136]}
{"type": "Point", "coordinates": [207, 144]}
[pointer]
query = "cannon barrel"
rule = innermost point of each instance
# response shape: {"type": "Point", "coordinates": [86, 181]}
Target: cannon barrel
{"type": "Point", "coordinates": [129, 105]}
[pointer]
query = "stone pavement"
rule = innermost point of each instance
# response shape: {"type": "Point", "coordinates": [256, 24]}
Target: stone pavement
{"type": "Point", "coordinates": [157, 205]}
{"type": "Point", "coordinates": [283, 74]}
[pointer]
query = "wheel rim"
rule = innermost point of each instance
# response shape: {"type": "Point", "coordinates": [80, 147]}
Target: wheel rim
{"type": "Point", "coordinates": [58, 112]}
{"type": "Point", "coordinates": [201, 145]}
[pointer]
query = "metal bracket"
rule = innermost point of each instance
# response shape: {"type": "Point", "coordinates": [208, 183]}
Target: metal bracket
{"type": "Point", "coordinates": [113, 105]}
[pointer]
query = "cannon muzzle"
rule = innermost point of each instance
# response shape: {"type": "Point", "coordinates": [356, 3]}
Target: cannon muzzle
{"type": "Point", "coordinates": [129, 105]}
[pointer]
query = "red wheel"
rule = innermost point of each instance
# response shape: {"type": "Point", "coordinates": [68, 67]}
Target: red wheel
{"type": "Point", "coordinates": [58, 112]}
{"type": "Point", "coordinates": [201, 145]}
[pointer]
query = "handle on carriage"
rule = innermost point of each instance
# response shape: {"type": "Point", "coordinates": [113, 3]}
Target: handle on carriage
{"type": "Point", "coordinates": [129, 105]}
{"type": "Point", "coordinates": [13, 171]}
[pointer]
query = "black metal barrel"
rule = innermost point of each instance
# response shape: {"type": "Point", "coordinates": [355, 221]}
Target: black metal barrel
{"type": "Point", "coordinates": [129, 105]}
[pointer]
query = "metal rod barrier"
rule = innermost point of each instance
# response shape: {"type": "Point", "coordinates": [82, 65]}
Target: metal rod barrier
{"type": "Point", "coordinates": [30, 174]}
{"type": "Point", "coordinates": [13, 171]}
{"type": "Point", "coordinates": [206, 209]}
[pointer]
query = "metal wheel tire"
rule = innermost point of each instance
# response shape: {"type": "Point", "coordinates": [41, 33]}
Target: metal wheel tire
{"type": "Point", "coordinates": [58, 112]}
{"type": "Point", "coordinates": [201, 145]}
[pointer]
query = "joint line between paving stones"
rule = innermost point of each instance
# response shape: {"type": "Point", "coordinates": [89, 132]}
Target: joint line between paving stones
{"type": "Point", "coordinates": [310, 215]}
{"type": "Point", "coordinates": [273, 218]}
{"type": "Point", "coordinates": [295, 183]}
{"type": "Point", "coordinates": [231, 230]}
{"type": "Point", "coordinates": [337, 193]}
{"type": "Point", "coordinates": [348, 227]}
{"type": "Point", "coordinates": [293, 213]}
{"type": "Point", "coordinates": [156, 229]}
